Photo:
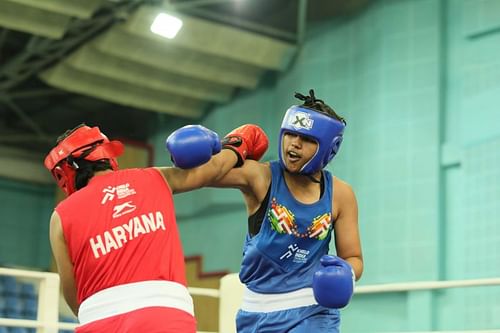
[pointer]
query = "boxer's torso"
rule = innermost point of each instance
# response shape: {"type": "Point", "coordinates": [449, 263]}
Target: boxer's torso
{"type": "Point", "coordinates": [120, 229]}
{"type": "Point", "coordinates": [284, 254]}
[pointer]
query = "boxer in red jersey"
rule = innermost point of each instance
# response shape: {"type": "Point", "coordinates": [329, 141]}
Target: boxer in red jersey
{"type": "Point", "coordinates": [115, 238]}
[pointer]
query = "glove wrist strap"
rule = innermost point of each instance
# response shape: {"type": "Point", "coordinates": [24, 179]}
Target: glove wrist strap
{"type": "Point", "coordinates": [234, 143]}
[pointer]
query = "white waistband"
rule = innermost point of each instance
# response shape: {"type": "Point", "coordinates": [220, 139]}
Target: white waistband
{"type": "Point", "coordinates": [255, 302]}
{"type": "Point", "coordinates": [132, 296]}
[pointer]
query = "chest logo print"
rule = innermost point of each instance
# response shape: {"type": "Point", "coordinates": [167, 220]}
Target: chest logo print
{"type": "Point", "coordinates": [283, 222]}
{"type": "Point", "coordinates": [320, 226]}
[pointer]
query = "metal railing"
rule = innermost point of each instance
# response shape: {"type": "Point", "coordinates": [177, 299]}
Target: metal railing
{"type": "Point", "coordinates": [48, 298]}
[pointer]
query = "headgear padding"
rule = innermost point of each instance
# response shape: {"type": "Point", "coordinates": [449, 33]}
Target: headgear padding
{"type": "Point", "coordinates": [87, 143]}
{"type": "Point", "coordinates": [322, 128]}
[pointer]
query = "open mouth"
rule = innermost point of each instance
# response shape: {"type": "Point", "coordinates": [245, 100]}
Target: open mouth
{"type": "Point", "coordinates": [293, 156]}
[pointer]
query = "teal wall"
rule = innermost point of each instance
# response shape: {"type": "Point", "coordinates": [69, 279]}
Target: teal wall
{"type": "Point", "coordinates": [24, 223]}
{"type": "Point", "coordinates": [470, 167]}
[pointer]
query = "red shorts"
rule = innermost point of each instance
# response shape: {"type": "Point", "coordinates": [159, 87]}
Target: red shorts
{"type": "Point", "coordinates": [146, 320]}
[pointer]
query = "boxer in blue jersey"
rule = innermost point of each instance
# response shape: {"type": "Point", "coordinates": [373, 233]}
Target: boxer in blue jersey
{"type": "Point", "coordinates": [294, 205]}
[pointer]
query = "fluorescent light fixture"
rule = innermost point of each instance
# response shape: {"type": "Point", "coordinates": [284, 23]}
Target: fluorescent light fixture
{"type": "Point", "coordinates": [166, 25]}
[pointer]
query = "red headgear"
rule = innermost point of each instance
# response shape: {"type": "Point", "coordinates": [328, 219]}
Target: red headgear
{"type": "Point", "coordinates": [85, 142]}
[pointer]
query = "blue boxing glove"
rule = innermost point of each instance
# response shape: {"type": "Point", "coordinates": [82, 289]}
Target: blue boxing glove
{"type": "Point", "coordinates": [333, 283]}
{"type": "Point", "coordinates": [192, 145]}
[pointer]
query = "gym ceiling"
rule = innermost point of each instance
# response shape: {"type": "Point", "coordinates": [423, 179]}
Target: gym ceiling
{"type": "Point", "coordinates": [63, 62]}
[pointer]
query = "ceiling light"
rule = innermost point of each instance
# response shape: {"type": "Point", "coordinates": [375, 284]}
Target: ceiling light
{"type": "Point", "coordinates": [166, 25]}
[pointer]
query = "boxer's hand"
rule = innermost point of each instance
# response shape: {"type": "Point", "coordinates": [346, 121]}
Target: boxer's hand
{"type": "Point", "coordinates": [333, 284]}
{"type": "Point", "coordinates": [192, 145]}
{"type": "Point", "coordinates": [247, 141]}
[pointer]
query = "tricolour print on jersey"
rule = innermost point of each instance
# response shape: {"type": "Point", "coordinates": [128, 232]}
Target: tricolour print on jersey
{"type": "Point", "coordinates": [282, 220]}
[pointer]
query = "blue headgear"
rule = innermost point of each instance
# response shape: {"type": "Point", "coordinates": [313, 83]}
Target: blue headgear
{"type": "Point", "coordinates": [322, 128]}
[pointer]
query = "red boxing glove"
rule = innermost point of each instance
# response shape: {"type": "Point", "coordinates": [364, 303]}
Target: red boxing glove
{"type": "Point", "coordinates": [247, 141]}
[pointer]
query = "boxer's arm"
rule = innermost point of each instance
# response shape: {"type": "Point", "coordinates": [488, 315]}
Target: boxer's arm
{"type": "Point", "coordinates": [182, 180]}
{"type": "Point", "coordinates": [64, 265]}
{"type": "Point", "coordinates": [347, 238]}
{"type": "Point", "coordinates": [192, 144]}
{"type": "Point", "coordinates": [252, 179]}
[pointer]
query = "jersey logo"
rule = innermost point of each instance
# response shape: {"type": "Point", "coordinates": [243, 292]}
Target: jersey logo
{"type": "Point", "coordinates": [291, 250]}
{"type": "Point", "coordinates": [283, 222]}
{"type": "Point", "coordinates": [300, 256]}
{"type": "Point", "coordinates": [123, 209]}
{"type": "Point", "coordinates": [120, 191]}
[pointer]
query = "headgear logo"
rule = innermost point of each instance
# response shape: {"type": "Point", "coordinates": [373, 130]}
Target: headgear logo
{"type": "Point", "coordinates": [301, 120]}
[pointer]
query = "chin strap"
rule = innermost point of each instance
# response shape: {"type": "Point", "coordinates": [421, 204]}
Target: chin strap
{"type": "Point", "coordinates": [311, 178]}
{"type": "Point", "coordinates": [314, 180]}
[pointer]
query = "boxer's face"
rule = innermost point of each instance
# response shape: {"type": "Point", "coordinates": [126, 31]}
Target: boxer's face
{"type": "Point", "coordinates": [297, 150]}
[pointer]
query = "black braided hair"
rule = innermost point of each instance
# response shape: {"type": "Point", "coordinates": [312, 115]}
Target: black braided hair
{"type": "Point", "coordinates": [319, 105]}
{"type": "Point", "coordinates": [86, 170]}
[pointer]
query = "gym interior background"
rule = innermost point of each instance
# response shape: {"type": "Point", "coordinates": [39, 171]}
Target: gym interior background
{"type": "Point", "coordinates": [418, 82]}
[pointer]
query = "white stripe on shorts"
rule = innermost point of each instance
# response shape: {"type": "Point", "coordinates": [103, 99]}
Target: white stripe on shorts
{"type": "Point", "coordinates": [133, 296]}
{"type": "Point", "coordinates": [256, 302]}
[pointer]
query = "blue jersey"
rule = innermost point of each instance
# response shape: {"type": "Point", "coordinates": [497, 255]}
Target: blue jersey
{"type": "Point", "coordinates": [285, 253]}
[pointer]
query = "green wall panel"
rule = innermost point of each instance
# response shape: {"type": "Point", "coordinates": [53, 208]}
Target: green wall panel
{"type": "Point", "coordinates": [25, 211]}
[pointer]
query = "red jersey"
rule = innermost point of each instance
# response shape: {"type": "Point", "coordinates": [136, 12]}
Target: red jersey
{"type": "Point", "coordinates": [121, 229]}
